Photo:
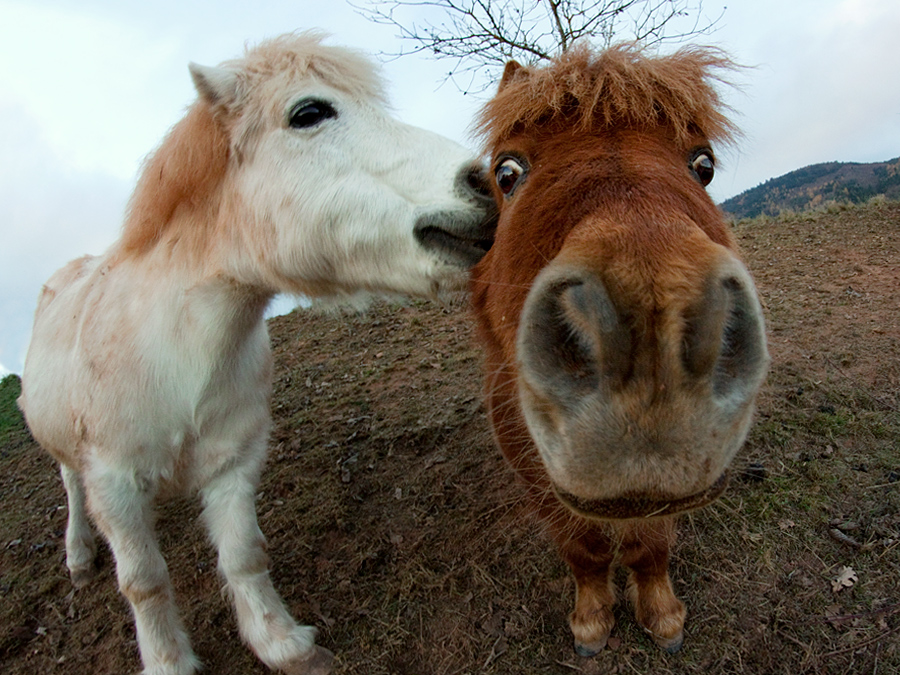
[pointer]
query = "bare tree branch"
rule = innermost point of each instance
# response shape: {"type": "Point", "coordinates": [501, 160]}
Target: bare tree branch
{"type": "Point", "coordinates": [480, 36]}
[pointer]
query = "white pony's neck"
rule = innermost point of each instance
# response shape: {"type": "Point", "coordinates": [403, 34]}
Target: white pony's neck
{"type": "Point", "coordinates": [204, 318]}
{"type": "Point", "coordinates": [180, 239]}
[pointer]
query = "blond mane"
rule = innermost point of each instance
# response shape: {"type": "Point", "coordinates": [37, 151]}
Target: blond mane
{"type": "Point", "coordinates": [303, 55]}
{"type": "Point", "coordinates": [190, 164]}
{"type": "Point", "coordinates": [619, 86]}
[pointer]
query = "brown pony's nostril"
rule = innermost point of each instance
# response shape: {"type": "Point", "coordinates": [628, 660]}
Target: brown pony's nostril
{"type": "Point", "coordinates": [573, 340]}
{"type": "Point", "coordinates": [743, 343]}
{"type": "Point", "coordinates": [724, 338]}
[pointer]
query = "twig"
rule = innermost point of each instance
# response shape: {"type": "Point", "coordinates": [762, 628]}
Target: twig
{"type": "Point", "coordinates": [864, 643]}
{"type": "Point", "coordinates": [837, 535]}
{"type": "Point", "coordinates": [888, 611]}
{"type": "Point", "coordinates": [881, 485]}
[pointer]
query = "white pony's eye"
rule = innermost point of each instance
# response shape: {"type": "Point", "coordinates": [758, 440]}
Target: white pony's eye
{"type": "Point", "coordinates": [704, 167]}
{"type": "Point", "coordinates": [309, 112]}
{"type": "Point", "coordinates": [509, 174]}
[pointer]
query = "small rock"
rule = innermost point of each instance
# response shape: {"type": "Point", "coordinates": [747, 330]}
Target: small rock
{"type": "Point", "coordinates": [754, 473]}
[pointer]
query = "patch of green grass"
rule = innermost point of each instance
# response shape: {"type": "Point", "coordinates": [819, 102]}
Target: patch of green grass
{"type": "Point", "coordinates": [829, 424]}
{"type": "Point", "coordinates": [772, 432]}
{"type": "Point", "coordinates": [12, 424]}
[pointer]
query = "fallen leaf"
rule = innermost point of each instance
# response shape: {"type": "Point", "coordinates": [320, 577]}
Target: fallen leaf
{"type": "Point", "coordinates": [845, 579]}
{"type": "Point", "coordinates": [832, 615]}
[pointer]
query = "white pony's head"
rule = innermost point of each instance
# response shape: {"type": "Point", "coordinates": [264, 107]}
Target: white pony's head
{"type": "Point", "coordinates": [312, 186]}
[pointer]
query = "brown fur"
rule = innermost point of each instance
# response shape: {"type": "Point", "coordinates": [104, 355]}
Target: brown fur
{"type": "Point", "coordinates": [615, 88]}
{"type": "Point", "coordinates": [608, 139]}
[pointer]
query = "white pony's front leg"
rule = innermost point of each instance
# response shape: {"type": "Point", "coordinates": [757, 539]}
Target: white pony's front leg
{"type": "Point", "coordinates": [122, 505]}
{"type": "Point", "coordinates": [81, 547]}
{"type": "Point", "coordinates": [264, 622]}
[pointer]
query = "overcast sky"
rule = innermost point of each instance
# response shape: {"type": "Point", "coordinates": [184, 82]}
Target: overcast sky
{"type": "Point", "coordinates": [89, 87]}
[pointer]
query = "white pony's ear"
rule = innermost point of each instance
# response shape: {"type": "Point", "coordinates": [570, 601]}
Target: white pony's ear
{"type": "Point", "coordinates": [218, 86]}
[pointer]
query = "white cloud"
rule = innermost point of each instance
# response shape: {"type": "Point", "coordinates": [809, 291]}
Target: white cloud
{"type": "Point", "coordinates": [49, 214]}
{"type": "Point", "coordinates": [101, 91]}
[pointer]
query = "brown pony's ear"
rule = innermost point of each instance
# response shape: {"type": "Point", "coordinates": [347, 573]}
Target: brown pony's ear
{"type": "Point", "coordinates": [510, 71]}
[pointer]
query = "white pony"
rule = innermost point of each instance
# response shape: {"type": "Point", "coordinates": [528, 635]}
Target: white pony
{"type": "Point", "coordinates": [149, 367]}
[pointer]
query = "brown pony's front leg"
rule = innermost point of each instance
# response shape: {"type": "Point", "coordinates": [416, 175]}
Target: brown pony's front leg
{"type": "Point", "coordinates": [591, 562]}
{"type": "Point", "coordinates": [584, 546]}
{"type": "Point", "coordinates": [592, 550]}
{"type": "Point", "coordinates": [645, 552]}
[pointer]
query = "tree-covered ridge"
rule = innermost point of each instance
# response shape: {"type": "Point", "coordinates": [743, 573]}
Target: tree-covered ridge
{"type": "Point", "coordinates": [816, 185]}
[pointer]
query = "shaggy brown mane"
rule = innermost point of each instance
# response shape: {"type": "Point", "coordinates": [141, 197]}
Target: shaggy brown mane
{"type": "Point", "coordinates": [621, 85]}
{"type": "Point", "coordinates": [190, 164]}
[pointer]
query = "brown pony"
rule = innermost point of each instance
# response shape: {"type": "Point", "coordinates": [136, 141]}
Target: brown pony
{"type": "Point", "coordinates": [625, 340]}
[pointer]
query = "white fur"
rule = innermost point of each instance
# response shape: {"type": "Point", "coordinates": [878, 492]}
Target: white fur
{"type": "Point", "coordinates": [149, 371]}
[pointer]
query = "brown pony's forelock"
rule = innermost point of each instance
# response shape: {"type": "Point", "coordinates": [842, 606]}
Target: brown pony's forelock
{"type": "Point", "coordinates": [190, 164]}
{"type": "Point", "coordinates": [622, 85]}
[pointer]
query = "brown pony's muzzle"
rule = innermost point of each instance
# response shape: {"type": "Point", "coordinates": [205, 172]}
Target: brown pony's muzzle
{"type": "Point", "coordinates": [637, 407]}
{"type": "Point", "coordinates": [639, 505]}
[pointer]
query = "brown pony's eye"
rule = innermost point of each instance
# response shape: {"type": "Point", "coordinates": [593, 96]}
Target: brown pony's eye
{"type": "Point", "coordinates": [704, 167]}
{"type": "Point", "coordinates": [508, 175]}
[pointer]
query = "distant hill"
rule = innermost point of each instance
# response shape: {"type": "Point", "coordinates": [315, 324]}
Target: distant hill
{"type": "Point", "coordinates": [816, 185]}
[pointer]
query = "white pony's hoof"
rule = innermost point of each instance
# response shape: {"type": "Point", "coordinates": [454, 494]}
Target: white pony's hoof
{"type": "Point", "coordinates": [82, 576]}
{"type": "Point", "coordinates": [189, 665]}
{"type": "Point", "coordinates": [317, 663]}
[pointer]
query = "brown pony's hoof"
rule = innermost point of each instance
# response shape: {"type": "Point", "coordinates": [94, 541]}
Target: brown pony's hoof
{"type": "Point", "coordinates": [317, 663]}
{"type": "Point", "coordinates": [670, 645]}
{"type": "Point", "coordinates": [589, 649]}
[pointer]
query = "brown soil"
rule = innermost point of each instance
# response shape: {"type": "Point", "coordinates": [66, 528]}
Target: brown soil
{"type": "Point", "coordinates": [395, 527]}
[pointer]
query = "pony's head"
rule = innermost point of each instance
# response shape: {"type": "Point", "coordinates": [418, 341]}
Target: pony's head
{"type": "Point", "coordinates": [289, 172]}
{"type": "Point", "coordinates": [619, 319]}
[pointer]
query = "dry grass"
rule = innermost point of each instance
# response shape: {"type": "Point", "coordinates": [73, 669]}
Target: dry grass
{"type": "Point", "coordinates": [395, 527]}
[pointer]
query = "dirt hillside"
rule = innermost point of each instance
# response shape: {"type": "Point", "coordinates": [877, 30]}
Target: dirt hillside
{"type": "Point", "coordinates": [395, 527]}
